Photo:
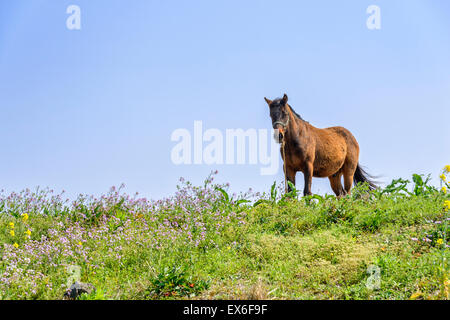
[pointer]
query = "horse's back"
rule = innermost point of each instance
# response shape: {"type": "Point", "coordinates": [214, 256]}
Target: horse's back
{"type": "Point", "coordinates": [344, 133]}
{"type": "Point", "coordinates": [337, 135]}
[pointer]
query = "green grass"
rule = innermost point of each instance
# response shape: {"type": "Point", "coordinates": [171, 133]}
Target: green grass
{"type": "Point", "coordinates": [201, 244]}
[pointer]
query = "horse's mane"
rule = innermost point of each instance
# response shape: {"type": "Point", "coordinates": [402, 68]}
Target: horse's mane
{"type": "Point", "coordinates": [296, 114]}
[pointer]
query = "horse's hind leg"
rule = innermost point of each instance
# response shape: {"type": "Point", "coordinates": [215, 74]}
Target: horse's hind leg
{"type": "Point", "coordinates": [349, 171]}
{"type": "Point", "coordinates": [348, 181]}
{"type": "Point", "coordinates": [335, 181]}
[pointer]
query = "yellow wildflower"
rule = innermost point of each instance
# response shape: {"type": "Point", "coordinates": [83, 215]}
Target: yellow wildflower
{"type": "Point", "coordinates": [11, 225]}
{"type": "Point", "coordinates": [447, 204]}
{"type": "Point", "coordinates": [443, 177]}
{"type": "Point", "coordinates": [25, 217]}
{"type": "Point", "coordinates": [12, 233]}
{"type": "Point", "coordinates": [16, 245]}
{"type": "Point", "coordinates": [447, 168]}
{"type": "Point", "coordinates": [79, 243]}
{"type": "Point", "coordinates": [28, 232]}
{"type": "Point", "coordinates": [444, 189]}
{"type": "Point", "coordinates": [416, 296]}
{"type": "Point", "coordinates": [440, 241]}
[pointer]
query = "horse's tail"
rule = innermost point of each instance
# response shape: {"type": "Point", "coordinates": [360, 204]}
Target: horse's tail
{"type": "Point", "coordinates": [362, 176]}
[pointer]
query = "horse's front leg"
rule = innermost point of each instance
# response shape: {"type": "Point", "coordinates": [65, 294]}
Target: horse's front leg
{"type": "Point", "coordinates": [308, 174]}
{"type": "Point", "coordinates": [290, 175]}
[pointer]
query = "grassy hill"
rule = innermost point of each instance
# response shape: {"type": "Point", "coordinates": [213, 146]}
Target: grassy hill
{"type": "Point", "coordinates": [203, 244]}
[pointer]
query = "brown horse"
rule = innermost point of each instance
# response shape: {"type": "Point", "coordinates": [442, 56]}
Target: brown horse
{"type": "Point", "coordinates": [331, 152]}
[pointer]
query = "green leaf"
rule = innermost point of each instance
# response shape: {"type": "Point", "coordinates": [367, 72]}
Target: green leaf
{"type": "Point", "coordinates": [224, 193]}
{"type": "Point", "coordinates": [273, 191]}
{"type": "Point", "coordinates": [238, 202]}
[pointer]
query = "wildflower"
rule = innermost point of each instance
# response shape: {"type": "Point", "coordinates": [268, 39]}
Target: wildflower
{"type": "Point", "coordinates": [447, 168]}
{"type": "Point", "coordinates": [447, 204]}
{"type": "Point", "coordinates": [79, 243]}
{"type": "Point", "coordinates": [414, 239]}
{"type": "Point", "coordinates": [443, 177]}
{"type": "Point", "coordinates": [15, 245]}
{"type": "Point", "coordinates": [440, 241]}
{"type": "Point", "coordinates": [28, 232]}
{"type": "Point", "coordinates": [12, 233]}
{"type": "Point", "coordinates": [11, 225]}
{"type": "Point", "coordinates": [25, 217]}
{"type": "Point", "coordinates": [415, 296]}
{"type": "Point", "coordinates": [444, 189]}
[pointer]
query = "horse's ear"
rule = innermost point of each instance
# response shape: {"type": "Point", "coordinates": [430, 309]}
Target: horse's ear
{"type": "Point", "coordinates": [285, 99]}
{"type": "Point", "coordinates": [268, 101]}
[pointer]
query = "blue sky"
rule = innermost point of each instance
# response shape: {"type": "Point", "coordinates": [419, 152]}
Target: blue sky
{"type": "Point", "coordinates": [82, 110]}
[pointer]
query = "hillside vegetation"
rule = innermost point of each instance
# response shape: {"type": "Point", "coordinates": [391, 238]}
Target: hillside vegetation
{"type": "Point", "coordinates": [202, 243]}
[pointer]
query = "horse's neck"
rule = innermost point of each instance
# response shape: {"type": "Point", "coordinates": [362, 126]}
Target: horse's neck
{"type": "Point", "coordinates": [298, 134]}
{"type": "Point", "coordinates": [296, 125]}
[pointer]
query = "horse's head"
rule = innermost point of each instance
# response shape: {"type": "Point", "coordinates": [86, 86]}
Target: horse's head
{"type": "Point", "coordinates": [279, 114]}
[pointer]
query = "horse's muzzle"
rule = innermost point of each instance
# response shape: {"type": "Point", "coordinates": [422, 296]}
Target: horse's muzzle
{"type": "Point", "coordinates": [278, 135]}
